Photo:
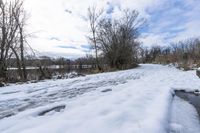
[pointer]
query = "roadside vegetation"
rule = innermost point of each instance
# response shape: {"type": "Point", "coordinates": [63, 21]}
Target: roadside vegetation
{"type": "Point", "coordinates": [183, 54]}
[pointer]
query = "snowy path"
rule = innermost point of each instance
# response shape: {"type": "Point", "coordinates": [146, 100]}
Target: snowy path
{"type": "Point", "coordinates": [19, 98]}
{"type": "Point", "coordinates": [140, 102]}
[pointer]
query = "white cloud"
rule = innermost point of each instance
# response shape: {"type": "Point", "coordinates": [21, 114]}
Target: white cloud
{"type": "Point", "coordinates": [65, 21]}
{"type": "Point", "coordinates": [153, 39]}
{"type": "Point", "coordinates": [50, 19]}
{"type": "Point", "coordinates": [174, 20]}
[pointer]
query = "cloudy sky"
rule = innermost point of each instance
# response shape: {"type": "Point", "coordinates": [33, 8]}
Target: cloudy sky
{"type": "Point", "coordinates": [59, 27]}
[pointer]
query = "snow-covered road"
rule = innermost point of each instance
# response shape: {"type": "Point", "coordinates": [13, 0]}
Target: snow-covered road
{"type": "Point", "coordinates": [138, 101]}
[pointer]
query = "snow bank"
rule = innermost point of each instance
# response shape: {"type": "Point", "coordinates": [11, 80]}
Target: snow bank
{"type": "Point", "coordinates": [139, 101]}
{"type": "Point", "coordinates": [184, 117]}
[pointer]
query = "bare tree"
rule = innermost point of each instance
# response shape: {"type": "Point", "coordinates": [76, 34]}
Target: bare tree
{"type": "Point", "coordinates": [94, 17]}
{"type": "Point", "coordinates": [12, 22]}
{"type": "Point", "coordinates": [21, 18]}
{"type": "Point", "coordinates": [8, 32]}
{"type": "Point", "coordinates": [118, 39]}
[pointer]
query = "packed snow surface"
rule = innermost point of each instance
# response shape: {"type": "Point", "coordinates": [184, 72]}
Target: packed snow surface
{"type": "Point", "coordinates": [132, 101]}
{"type": "Point", "coordinates": [183, 117]}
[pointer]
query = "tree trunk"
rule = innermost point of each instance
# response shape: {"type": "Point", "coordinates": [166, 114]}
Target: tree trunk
{"type": "Point", "coordinates": [18, 63]}
{"type": "Point", "coordinates": [22, 55]}
{"type": "Point", "coordinates": [3, 71]}
{"type": "Point", "coordinates": [96, 52]}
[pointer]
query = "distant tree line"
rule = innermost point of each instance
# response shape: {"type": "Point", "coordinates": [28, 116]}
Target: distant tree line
{"type": "Point", "coordinates": [44, 67]}
{"type": "Point", "coordinates": [184, 54]}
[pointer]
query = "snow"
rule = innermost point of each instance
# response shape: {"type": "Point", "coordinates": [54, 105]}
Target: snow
{"type": "Point", "coordinates": [182, 109]}
{"type": "Point", "coordinates": [138, 101]}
